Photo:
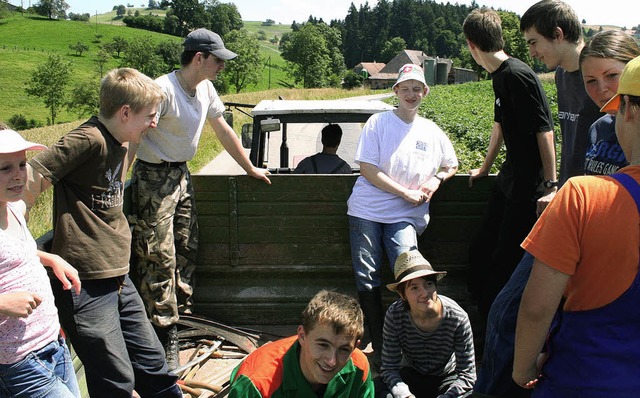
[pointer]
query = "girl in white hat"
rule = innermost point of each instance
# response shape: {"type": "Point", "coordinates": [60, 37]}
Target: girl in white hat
{"type": "Point", "coordinates": [34, 359]}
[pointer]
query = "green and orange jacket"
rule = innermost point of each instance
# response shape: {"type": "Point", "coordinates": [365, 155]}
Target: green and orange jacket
{"type": "Point", "coordinates": [273, 371]}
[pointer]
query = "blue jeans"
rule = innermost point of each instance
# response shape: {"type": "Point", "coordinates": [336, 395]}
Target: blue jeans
{"type": "Point", "coordinates": [368, 238]}
{"type": "Point", "coordinates": [494, 377]}
{"type": "Point", "coordinates": [47, 372]}
{"type": "Point", "coordinates": [109, 329]}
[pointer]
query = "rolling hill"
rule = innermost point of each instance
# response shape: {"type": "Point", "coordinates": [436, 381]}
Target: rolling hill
{"type": "Point", "coordinates": [27, 40]}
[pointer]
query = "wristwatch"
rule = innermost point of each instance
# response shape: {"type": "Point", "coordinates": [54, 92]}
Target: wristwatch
{"type": "Point", "coordinates": [550, 184]}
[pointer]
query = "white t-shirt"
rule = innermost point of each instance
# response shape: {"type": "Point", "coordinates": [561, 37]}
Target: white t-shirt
{"type": "Point", "coordinates": [180, 121]}
{"type": "Point", "coordinates": [409, 154]}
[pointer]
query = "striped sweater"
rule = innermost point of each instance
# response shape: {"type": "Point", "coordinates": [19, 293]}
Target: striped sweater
{"type": "Point", "coordinates": [449, 349]}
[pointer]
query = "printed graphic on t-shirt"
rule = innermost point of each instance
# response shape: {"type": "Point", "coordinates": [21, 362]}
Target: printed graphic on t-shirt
{"type": "Point", "coordinates": [113, 196]}
{"type": "Point", "coordinates": [562, 115]}
{"type": "Point", "coordinates": [604, 158]}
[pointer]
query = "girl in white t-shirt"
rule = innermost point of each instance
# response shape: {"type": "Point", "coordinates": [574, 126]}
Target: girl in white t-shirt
{"type": "Point", "coordinates": [403, 158]}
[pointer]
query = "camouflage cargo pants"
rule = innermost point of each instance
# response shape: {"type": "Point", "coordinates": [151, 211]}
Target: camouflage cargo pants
{"type": "Point", "coordinates": [165, 239]}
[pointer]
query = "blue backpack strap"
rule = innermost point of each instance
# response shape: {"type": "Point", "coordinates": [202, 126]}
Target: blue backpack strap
{"type": "Point", "coordinates": [631, 185]}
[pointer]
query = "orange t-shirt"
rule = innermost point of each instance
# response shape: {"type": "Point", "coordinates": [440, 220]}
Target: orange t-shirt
{"type": "Point", "coordinates": [591, 231]}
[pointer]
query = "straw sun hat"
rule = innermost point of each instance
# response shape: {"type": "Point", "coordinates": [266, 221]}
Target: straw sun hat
{"type": "Point", "coordinates": [411, 265]}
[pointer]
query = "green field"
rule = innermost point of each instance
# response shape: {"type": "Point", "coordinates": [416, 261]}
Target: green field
{"type": "Point", "coordinates": [112, 18]}
{"type": "Point", "coordinates": [27, 40]}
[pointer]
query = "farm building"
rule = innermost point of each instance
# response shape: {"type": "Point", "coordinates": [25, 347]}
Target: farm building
{"type": "Point", "coordinates": [437, 70]}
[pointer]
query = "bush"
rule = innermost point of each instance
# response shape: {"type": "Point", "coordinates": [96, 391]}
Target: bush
{"type": "Point", "coordinates": [20, 122]}
{"type": "Point", "coordinates": [352, 80]}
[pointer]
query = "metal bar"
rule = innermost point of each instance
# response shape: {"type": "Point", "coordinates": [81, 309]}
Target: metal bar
{"type": "Point", "coordinates": [197, 360]}
{"type": "Point", "coordinates": [284, 148]}
{"type": "Point", "coordinates": [234, 245]}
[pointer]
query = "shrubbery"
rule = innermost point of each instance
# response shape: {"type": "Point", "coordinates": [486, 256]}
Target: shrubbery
{"type": "Point", "coordinates": [20, 122]}
{"type": "Point", "coordinates": [465, 113]}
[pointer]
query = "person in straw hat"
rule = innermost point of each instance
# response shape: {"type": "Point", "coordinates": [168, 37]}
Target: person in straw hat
{"type": "Point", "coordinates": [585, 246]}
{"type": "Point", "coordinates": [404, 158]}
{"type": "Point", "coordinates": [427, 339]}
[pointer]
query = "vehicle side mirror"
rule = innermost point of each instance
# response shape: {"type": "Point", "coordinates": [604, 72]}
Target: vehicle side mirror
{"type": "Point", "coordinates": [228, 117]}
{"type": "Point", "coordinates": [267, 125]}
{"type": "Point", "coordinates": [247, 135]}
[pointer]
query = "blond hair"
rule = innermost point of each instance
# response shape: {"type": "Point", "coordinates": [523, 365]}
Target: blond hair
{"type": "Point", "coordinates": [127, 86]}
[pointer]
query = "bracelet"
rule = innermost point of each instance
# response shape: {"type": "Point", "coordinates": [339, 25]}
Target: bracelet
{"type": "Point", "coordinates": [439, 178]}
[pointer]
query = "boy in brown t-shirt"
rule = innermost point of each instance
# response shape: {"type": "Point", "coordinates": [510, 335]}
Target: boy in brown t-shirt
{"type": "Point", "coordinates": [106, 322]}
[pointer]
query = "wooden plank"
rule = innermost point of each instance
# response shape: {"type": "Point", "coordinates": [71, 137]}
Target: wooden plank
{"type": "Point", "coordinates": [212, 208]}
{"type": "Point", "coordinates": [303, 207]}
{"type": "Point", "coordinates": [280, 301]}
{"type": "Point", "coordinates": [269, 254]}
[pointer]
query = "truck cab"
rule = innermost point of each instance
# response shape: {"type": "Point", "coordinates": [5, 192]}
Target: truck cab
{"type": "Point", "coordinates": [284, 132]}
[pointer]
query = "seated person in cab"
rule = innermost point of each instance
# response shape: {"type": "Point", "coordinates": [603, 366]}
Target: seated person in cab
{"type": "Point", "coordinates": [327, 161]}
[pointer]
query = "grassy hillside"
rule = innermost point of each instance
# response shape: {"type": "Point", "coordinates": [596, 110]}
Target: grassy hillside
{"type": "Point", "coordinates": [26, 41]}
{"type": "Point", "coordinates": [113, 19]}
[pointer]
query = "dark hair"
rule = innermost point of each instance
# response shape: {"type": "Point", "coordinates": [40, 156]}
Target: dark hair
{"type": "Point", "coordinates": [611, 44]}
{"type": "Point", "coordinates": [547, 15]}
{"type": "Point", "coordinates": [187, 56]}
{"type": "Point", "coordinates": [331, 135]}
{"type": "Point", "coordinates": [403, 287]}
{"type": "Point", "coordinates": [482, 27]}
{"type": "Point", "coordinates": [633, 99]}
{"type": "Point", "coordinates": [341, 312]}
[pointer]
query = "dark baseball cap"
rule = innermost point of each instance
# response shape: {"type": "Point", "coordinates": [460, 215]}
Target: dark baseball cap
{"type": "Point", "coordinates": [205, 40]}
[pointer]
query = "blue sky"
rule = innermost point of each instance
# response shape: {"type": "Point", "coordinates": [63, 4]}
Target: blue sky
{"type": "Point", "coordinates": [611, 12]}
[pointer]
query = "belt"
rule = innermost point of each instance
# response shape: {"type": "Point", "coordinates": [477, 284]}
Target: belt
{"type": "Point", "coordinates": [162, 164]}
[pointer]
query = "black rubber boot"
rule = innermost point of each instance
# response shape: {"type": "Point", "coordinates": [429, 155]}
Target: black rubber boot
{"type": "Point", "coordinates": [169, 338]}
{"type": "Point", "coordinates": [371, 304]}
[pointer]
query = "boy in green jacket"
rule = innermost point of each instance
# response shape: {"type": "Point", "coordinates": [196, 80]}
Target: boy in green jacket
{"type": "Point", "coordinates": [321, 360]}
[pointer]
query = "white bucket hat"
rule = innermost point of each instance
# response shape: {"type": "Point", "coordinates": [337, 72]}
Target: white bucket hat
{"type": "Point", "coordinates": [411, 72]}
{"type": "Point", "coordinates": [11, 141]}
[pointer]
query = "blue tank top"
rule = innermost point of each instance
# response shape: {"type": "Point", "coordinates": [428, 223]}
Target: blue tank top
{"type": "Point", "coordinates": [596, 353]}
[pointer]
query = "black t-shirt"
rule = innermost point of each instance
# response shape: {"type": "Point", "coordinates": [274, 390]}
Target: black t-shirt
{"type": "Point", "coordinates": [522, 109]}
{"type": "Point", "coordinates": [576, 113]}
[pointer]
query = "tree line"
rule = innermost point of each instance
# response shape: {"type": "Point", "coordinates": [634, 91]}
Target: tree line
{"type": "Point", "coordinates": [366, 34]}
{"type": "Point", "coordinates": [183, 16]}
{"type": "Point", "coordinates": [318, 54]}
